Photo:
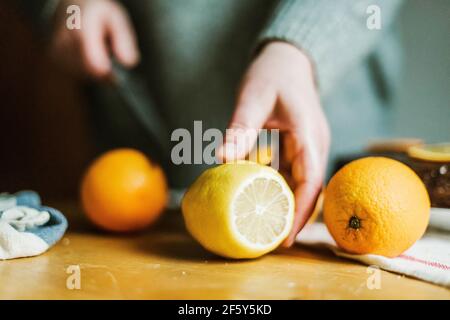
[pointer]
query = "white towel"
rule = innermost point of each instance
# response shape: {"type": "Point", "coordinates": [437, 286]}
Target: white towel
{"type": "Point", "coordinates": [428, 259]}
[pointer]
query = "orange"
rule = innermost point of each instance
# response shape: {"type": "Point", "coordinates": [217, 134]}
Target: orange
{"type": "Point", "coordinates": [123, 191]}
{"type": "Point", "coordinates": [376, 205]}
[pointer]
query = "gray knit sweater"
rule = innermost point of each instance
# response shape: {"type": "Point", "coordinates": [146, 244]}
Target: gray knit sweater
{"type": "Point", "coordinates": [195, 51]}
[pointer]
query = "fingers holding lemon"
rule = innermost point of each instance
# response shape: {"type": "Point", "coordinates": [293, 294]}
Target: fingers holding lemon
{"type": "Point", "coordinates": [123, 191]}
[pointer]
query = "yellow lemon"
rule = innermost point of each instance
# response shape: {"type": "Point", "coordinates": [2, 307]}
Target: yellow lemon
{"type": "Point", "coordinates": [439, 152]}
{"type": "Point", "coordinates": [239, 210]}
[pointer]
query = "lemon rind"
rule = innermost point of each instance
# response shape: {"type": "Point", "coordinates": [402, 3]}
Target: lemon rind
{"type": "Point", "coordinates": [421, 153]}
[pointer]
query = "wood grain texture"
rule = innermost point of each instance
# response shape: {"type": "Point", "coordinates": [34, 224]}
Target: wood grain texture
{"type": "Point", "coordinates": [165, 263]}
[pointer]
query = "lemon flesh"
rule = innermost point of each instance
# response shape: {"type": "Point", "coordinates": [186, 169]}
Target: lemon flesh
{"type": "Point", "coordinates": [432, 152]}
{"type": "Point", "coordinates": [240, 210]}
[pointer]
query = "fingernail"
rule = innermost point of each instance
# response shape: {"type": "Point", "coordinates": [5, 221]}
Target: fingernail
{"type": "Point", "coordinates": [230, 152]}
{"type": "Point", "coordinates": [132, 58]}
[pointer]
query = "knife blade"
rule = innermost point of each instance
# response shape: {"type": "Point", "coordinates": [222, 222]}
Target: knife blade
{"type": "Point", "coordinates": [134, 92]}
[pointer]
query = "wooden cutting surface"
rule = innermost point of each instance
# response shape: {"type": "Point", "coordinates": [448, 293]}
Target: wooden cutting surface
{"type": "Point", "coordinates": [165, 263]}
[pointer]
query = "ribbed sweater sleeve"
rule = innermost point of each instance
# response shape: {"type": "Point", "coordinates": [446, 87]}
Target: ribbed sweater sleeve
{"type": "Point", "coordinates": [333, 33]}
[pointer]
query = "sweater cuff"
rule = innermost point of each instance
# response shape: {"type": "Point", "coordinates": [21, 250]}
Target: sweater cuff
{"type": "Point", "coordinates": [332, 33]}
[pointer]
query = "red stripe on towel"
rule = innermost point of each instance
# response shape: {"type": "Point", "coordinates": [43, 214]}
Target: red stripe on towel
{"type": "Point", "coordinates": [428, 263]}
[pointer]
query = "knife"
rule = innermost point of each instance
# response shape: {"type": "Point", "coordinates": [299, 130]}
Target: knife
{"type": "Point", "coordinates": [133, 90]}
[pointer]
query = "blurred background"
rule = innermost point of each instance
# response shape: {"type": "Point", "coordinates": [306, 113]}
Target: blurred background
{"type": "Point", "coordinates": [46, 140]}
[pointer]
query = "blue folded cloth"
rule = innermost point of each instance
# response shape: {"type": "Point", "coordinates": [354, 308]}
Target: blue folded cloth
{"type": "Point", "coordinates": [27, 228]}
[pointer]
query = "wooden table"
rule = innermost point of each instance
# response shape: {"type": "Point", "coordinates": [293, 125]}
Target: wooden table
{"type": "Point", "coordinates": [165, 263]}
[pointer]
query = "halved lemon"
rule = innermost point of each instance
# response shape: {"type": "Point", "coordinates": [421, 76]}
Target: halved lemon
{"type": "Point", "coordinates": [439, 152]}
{"type": "Point", "coordinates": [239, 210]}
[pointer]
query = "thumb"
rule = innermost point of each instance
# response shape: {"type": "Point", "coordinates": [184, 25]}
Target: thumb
{"type": "Point", "coordinates": [253, 108]}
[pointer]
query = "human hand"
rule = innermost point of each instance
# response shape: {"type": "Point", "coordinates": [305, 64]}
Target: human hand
{"type": "Point", "coordinates": [105, 28]}
{"type": "Point", "coordinates": [278, 91]}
